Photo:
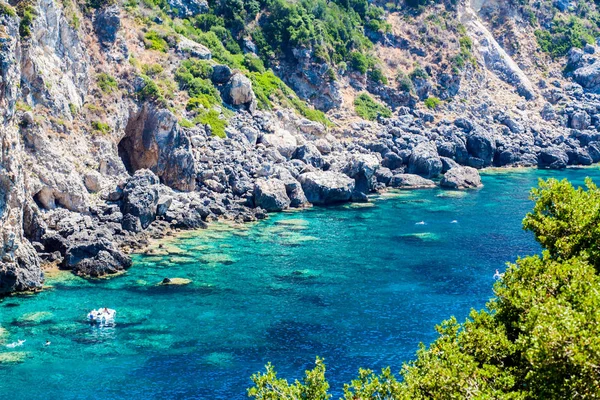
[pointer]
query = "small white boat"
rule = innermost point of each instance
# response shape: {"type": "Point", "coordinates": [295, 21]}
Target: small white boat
{"type": "Point", "coordinates": [102, 316]}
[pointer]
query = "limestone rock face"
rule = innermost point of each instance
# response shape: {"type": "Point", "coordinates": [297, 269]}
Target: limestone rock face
{"type": "Point", "coordinates": [19, 263]}
{"type": "Point", "coordinates": [55, 46]}
{"type": "Point", "coordinates": [326, 187]}
{"type": "Point", "coordinates": [155, 141]}
{"type": "Point", "coordinates": [194, 49]}
{"type": "Point", "coordinates": [461, 178]}
{"type": "Point", "coordinates": [271, 195]}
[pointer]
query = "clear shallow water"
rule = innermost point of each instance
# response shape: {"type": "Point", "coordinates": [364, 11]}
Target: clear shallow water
{"type": "Point", "coordinates": [360, 286]}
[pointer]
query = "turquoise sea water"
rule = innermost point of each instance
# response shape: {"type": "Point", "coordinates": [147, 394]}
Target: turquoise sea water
{"type": "Point", "coordinates": [358, 285]}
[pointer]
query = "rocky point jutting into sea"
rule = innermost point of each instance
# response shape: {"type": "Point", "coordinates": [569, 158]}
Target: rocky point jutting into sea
{"type": "Point", "coordinates": [121, 121]}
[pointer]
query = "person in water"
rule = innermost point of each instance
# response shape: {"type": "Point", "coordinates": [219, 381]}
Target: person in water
{"type": "Point", "coordinates": [47, 343]}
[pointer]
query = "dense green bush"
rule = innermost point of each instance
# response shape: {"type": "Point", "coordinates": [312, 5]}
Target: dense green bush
{"type": "Point", "coordinates": [153, 41]}
{"type": "Point", "coordinates": [368, 108]}
{"type": "Point", "coordinates": [566, 33]}
{"type": "Point", "coordinates": [6, 9]}
{"type": "Point", "coordinates": [538, 338]}
{"type": "Point", "coordinates": [100, 127]}
{"type": "Point", "coordinates": [26, 12]}
{"type": "Point", "coordinates": [213, 119]}
{"type": "Point", "coordinates": [106, 83]}
{"type": "Point", "coordinates": [432, 103]}
{"type": "Point", "coordinates": [268, 88]}
{"type": "Point", "coordinates": [150, 91]}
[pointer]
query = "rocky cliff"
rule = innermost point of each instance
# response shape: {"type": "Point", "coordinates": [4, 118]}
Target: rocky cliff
{"type": "Point", "coordinates": [122, 120]}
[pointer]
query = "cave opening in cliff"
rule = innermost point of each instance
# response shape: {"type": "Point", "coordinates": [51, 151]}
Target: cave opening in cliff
{"type": "Point", "coordinates": [125, 149]}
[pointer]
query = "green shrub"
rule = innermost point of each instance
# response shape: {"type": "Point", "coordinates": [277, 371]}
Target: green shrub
{"type": "Point", "coordinates": [213, 119]}
{"type": "Point", "coordinates": [418, 73]}
{"type": "Point", "coordinates": [150, 91]}
{"type": "Point", "coordinates": [404, 82]}
{"type": "Point", "coordinates": [253, 63]}
{"type": "Point", "coordinates": [106, 83]}
{"type": "Point", "coordinates": [432, 103]}
{"type": "Point", "coordinates": [26, 12]}
{"type": "Point", "coordinates": [152, 69]}
{"type": "Point", "coordinates": [564, 34]}
{"type": "Point", "coordinates": [368, 108]}
{"type": "Point", "coordinates": [73, 109]}
{"type": "Point", "coordinates": [359, 62]}
{"type": "Point", "coordinates": [268, 87]}
{"type": "Point", "coordinates": [99, 3]}
{"type": "Point", "coordinates": [6, 9]}
{"type": "Point", "coordinates": [100, 127]}
{"type": "Point", "coordinates": [184, 123]}
{"type": "Point", "coordinates": [153, 41]}
{"type": "Point", "coordinates": [377, 76]}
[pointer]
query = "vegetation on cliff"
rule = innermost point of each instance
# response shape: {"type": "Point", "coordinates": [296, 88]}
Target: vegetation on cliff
{"type": "Point", "coordinates": [538, 338]}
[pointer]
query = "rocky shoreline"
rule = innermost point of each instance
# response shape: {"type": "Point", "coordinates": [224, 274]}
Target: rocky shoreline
{"type": "Point", "coordinates": [95, 160]}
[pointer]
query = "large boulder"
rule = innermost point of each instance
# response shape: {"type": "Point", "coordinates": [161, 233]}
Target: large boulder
{"type": "Point", "coordinates": [238, 92]}
{"type": "Point", "coordinates": [326, 187]}
{"type": "Point", "coordinates": [282, 140]}
{"type": "Point", "coordinates": [293, 188]}
{"type": "Point", "coordinates": [411, 181]}
{"type": "Point", "coordinates": [580, 120]}
{"type": "Point", "coordinates": [188, 8]}
{"type": "Point", "coordinates": [481, 145]}
{"type": "Point", "coordinates": [588, 76]}
{"type": "Point", "coordinates": [553, 158]}
{"type": "Point", "coordinates": [309, 154]}
{"type": "Point", "coordinates": [140, 197]}
{"type": "Point", "coordinates": [425, 161]}
{"type": "Point", "coordinates": [186, 46]}
{"type": "Point", "coordinates": [270, 194]}
{"type": "Point", "coordinates": [362, 168]}
{"type": "Point", "coordinates": [95, 257]}
{"type": "Point", "coordinates": [461, 178]}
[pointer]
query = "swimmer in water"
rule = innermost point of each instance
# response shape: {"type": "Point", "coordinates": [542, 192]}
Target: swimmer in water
{"type": "Point", "coordinates": [420, 223]}
{"type": "Point", "coordinates": [47, 343]}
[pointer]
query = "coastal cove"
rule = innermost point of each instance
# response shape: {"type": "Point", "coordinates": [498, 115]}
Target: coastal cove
{"type": "Point", "coordinates": [358, 284]}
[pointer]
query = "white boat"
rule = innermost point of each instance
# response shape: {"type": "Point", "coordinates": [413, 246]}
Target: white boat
{"type": "Point", "coordinates": [102, 316]}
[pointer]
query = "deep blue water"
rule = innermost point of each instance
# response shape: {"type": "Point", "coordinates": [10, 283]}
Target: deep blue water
{"type": "Point", "coordinates": [359, 286]}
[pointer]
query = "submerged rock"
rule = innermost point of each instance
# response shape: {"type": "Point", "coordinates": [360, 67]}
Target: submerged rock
{"type": "Point", "coordinates": [175, 282]}
{"type": "Point", "coordinates": [411, 181]}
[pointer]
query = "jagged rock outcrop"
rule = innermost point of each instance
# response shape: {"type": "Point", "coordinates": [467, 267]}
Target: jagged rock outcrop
{"type": "Point", "coordinates": [19, 263]}
{"type": "Point", "coordinates": [141, 200]}
{"type": "Point", "coordinates": [155, 141]}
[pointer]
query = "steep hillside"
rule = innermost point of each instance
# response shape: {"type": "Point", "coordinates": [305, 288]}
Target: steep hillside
{"type": "Point", "coordinates": [123, 120]}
